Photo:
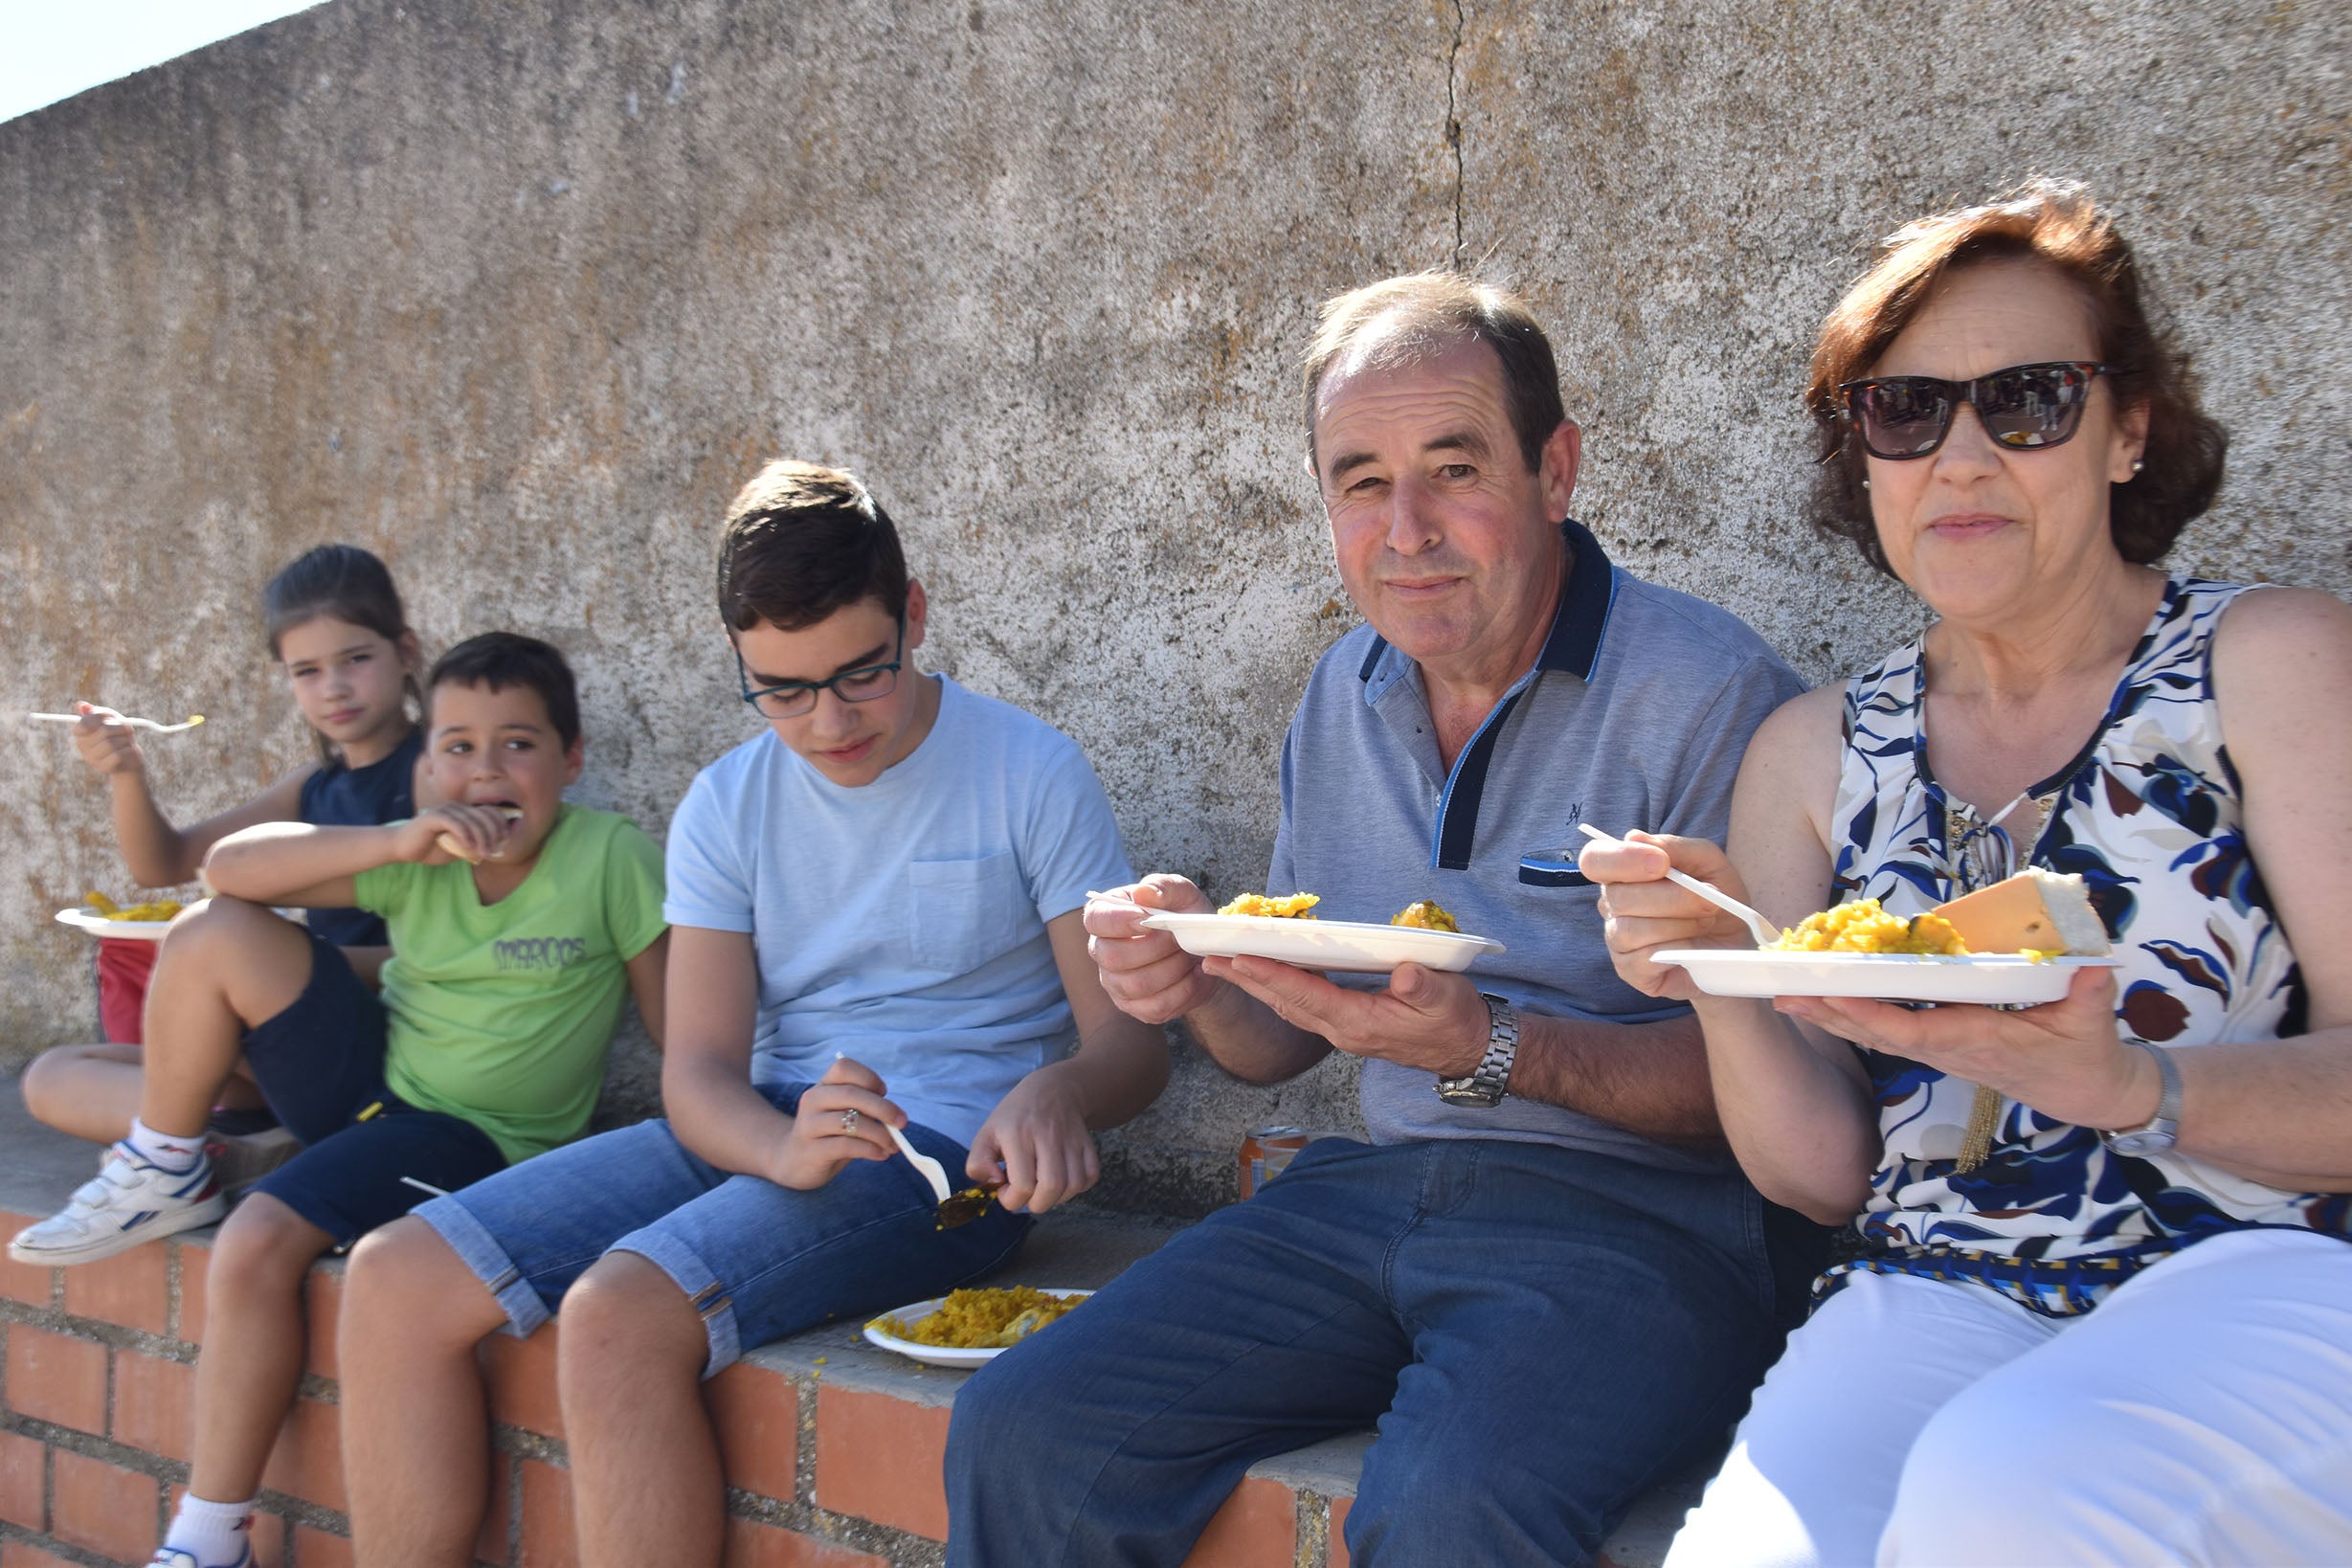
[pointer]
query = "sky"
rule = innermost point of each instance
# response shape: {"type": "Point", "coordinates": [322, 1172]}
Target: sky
{"type": "Point", "coordinates": [52, 49]}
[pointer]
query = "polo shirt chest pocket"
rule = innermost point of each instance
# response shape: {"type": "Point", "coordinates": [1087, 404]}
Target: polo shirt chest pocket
{"type": "Point", "coordinates": [965, 912]}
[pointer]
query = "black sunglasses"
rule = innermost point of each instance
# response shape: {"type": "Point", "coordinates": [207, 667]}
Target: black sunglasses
{"type": "Point", "coordinates": [2027, 408]}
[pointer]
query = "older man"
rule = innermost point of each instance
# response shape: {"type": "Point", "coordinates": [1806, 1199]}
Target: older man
{"type": "Point", "coordinates": [1541, 1280]}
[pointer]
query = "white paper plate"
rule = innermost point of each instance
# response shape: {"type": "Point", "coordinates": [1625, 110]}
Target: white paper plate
{"type": "Point", "coordinates": [1341, 945]}
{"type": "Point", "coordinates": [98, 925]}
{"type": "Point", "coordinates": [942, 1356]}
{"type": "Point", "coordinates": [1985, 977]}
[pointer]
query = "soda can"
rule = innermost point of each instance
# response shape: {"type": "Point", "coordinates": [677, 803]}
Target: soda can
{"type": "Point", "coordinates": [1267, 1152]}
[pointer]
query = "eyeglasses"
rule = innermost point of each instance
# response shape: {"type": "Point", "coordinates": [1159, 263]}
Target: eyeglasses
{"type": "Point", "coordinates": [793, 698]}
{"type": "Point", "coordinates": [2026, 408]}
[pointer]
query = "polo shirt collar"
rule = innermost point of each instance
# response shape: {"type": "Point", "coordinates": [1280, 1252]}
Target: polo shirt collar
{"type": "Point", "coordinates": [1573, 647]}
{"type": "Point", "coordinates": [1574, 643]}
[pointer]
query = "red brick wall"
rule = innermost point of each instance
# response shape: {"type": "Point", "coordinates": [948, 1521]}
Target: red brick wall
{"type": "Point", "coordinates": [97, 1379]}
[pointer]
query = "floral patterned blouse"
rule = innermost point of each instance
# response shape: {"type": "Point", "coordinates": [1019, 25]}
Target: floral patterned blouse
{"type": "Point", "coordinates": [2148, 813]}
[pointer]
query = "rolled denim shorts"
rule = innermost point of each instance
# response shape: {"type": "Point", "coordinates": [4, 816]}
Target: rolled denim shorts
{"type": "Point", "coordinates": [755, 1259]}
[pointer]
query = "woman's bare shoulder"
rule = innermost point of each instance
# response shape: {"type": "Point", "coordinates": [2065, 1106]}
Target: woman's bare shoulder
{"type": "Point", "coordinates": [2280, 658]}
{"type": "Point", "coordinates": [1810, 724]}
{"type": "Point", "coordinates": [2281, 647]}
{"type": "Point", "coordinates": [2269, 621]}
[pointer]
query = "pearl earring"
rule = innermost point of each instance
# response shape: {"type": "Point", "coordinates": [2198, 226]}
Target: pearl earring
{"type": "Point", "coordinates": [1866, 485]}
{"type": "Point", "coordinates": [2138, 465]}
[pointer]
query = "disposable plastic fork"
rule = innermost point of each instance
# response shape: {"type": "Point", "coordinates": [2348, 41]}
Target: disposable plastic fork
{"type": "Point", "coordinates": [193, 719]}
{"type": "Point", "coordinates": [953, 1209]}
{"type": "Point", "coordinates": [933, 1172]}
{"type": "Point", "coordinates": [1766, 933]}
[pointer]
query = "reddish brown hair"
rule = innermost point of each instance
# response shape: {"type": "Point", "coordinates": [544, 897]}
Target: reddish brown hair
{"type": "Point", "coordinates": [2058, 226]}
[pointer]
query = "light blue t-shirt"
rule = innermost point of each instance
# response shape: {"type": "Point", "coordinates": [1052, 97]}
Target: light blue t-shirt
{"type": "Point", "coordinates": [903, 923]}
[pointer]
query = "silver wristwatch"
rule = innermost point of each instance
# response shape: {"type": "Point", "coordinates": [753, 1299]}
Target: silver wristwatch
{"type": "Point", "coordinates": [1486, 1084]}
{"type": "Point", "coordinates": [2163, 1130]}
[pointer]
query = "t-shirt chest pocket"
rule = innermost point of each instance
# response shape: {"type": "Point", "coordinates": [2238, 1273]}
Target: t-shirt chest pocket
{"type": "Point", "coordinates": [965, 912]}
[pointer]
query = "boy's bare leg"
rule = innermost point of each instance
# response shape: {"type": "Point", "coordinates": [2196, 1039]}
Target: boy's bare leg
{"type": "Point", "coordinates": [416, 1424]}
{"type": "Point", "coordinates": [254, 1342]}
{"type": "Point", "coordinates": [227, 964]}
{"type": "Point", "coordinates": [90, 1091]}
{"type": "Point", "coordinates": [646, 1484]}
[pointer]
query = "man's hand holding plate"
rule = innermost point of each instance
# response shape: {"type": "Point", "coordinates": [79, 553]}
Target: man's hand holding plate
{"type": "Point", "coordinates": [1146, 974]}
{"type": "Point", "coordinates": [1425, 1018]}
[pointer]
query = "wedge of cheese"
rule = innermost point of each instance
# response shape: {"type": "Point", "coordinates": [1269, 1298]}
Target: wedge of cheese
{"type": "Point", "coordinates": [2033, 910]}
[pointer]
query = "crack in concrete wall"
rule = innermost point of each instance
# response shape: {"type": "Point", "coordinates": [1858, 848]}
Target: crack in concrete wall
{"type": "Point", "coordinates": [1453, 123]}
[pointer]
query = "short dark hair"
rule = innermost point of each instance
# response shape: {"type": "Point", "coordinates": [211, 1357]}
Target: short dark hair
{"type": "Point", "coordinates": [2058, 226]}
{"type": "Point", "coordinates": [802, 541]}
{"type": "Point", "coordinates": [499, 660]}
{"type": "Point", "coordinates": [1404, 321]}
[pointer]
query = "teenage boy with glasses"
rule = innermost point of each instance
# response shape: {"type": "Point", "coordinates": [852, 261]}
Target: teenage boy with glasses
{"type": "Point", "coordinates": [874, 911]}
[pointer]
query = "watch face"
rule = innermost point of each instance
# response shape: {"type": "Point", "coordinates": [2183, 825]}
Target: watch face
{"type": "Point", "coordinates": [1469, 1091]}
{"type": "Point", "coordinates": [2145, 1140]}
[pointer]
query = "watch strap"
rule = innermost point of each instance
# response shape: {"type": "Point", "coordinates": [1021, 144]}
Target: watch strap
{"type": "Point", "coordinates": [2162, 1131]}
{"type": "Point", "coordinates": [1489, 1081]}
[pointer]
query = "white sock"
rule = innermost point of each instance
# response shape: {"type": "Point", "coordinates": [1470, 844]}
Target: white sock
{"type": "Point", "coordinates": [173, 1151]}
{"type": "Point", "coordinates": [214, 1531]}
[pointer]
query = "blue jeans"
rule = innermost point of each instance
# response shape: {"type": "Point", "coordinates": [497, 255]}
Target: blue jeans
{"type": "Point", "coordinates": [1537, 1333]}
{"type": "Point", "coordinates": [758, 1261]}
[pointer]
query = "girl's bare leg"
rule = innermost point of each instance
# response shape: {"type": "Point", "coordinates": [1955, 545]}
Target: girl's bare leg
{"type": "Point", "coordinates": [90, 1091]}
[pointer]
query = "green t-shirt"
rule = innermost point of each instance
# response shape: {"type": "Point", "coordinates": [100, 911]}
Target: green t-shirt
{"type": "Point", "coordinates": [501, 1014]}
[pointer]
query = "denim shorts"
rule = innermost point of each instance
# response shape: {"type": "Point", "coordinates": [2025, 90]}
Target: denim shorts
{"type": "Point", "coordinates": [757, 1260]}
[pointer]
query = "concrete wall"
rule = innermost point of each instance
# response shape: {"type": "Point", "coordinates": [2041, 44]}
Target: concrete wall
{"type": "Point", "coordinates": [517, 294]}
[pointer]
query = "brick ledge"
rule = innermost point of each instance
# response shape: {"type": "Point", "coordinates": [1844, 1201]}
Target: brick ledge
{"type": "Point", "coordinates": [832, 1446]}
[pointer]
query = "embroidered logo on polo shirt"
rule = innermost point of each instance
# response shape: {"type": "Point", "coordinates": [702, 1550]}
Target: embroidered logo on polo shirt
{"type": "Point", "coordinates": [1556, 866]}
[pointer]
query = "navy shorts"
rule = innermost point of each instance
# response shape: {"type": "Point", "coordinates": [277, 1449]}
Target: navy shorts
{"type": "Point", "coordinates": [320, 1064]}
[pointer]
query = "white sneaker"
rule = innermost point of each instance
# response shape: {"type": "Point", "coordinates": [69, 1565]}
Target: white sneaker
{"type": "Point", "coordinates": [131, 1201]}
{"type": "Point", "coordinates": [171, 1559]}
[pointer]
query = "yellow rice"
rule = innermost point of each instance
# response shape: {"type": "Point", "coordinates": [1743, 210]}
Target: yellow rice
{"type": "Point", "coordinates": [981, 1319]}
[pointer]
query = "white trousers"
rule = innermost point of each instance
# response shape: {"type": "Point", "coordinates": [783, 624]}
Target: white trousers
{"type": "Point", "coordinates": [2202, 1414]}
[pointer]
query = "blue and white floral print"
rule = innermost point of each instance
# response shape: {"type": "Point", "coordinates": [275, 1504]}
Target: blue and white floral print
{"type": "Point", "coordinates": [2149, 816]}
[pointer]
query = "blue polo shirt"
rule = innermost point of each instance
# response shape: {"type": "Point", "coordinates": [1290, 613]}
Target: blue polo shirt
{"type": "Point", "coordinates": [1636, 716]}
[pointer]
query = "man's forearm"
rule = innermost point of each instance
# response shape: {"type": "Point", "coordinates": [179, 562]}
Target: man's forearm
{"type": "Point", "coordinates": [274, 860]}
{"type": "Point", "coordinates": [1647, 1078]}
{"type": "Point", "coordinates": [1242, 1036]}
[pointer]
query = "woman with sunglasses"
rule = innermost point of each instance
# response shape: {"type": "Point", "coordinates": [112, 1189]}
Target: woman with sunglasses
{"type": "Point", "coordinates": [2119, 1328]}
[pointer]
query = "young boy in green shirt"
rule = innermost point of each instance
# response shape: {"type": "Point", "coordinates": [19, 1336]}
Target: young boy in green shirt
{"type": "Point", "coordinates": [517, 921]}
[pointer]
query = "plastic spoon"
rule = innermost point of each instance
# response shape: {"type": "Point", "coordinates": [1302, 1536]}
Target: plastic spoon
{"type": "Point", "coordinates": [193, 719]}
{"type": "Point", "coordinates": [1766, 933]}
